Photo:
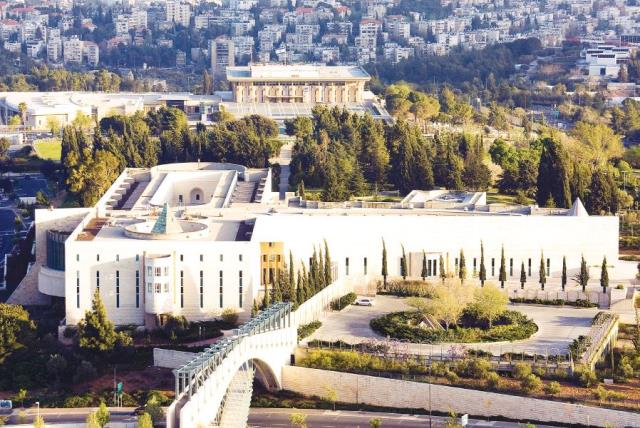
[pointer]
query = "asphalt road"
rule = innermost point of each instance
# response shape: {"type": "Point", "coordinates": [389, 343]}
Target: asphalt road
{"type": "Point", "coordinates": [267, 418]}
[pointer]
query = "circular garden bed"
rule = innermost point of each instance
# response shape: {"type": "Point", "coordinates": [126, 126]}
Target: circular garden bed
{"type": "Point", "coordinates": [509, 326]}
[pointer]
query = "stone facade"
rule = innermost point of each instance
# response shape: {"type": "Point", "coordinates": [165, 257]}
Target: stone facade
{"type": "Point", "coordinates": [352, 388]}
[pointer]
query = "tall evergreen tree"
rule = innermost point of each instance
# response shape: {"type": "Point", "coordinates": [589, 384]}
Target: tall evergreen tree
{"type": "Point", "coordinates": [255, 309]}
{"type": "Point", "coordinates": [482, 275]}
{"type": "Point", "coordinates": [385, 271]}
{"type": "Point", "coordinates": [276, 289]}
{"type": "Point", "coordinates": [582, 277]}
{"type": "Point", "coordinates": [266, 300]}
{"type": "Point", "coordinates": [321, 276]}
{"type": "Point", "coordinates": [563, 279]}
{"type": "Point", "coordinates": [462, 270]}
{"type": "Point", "coordinates": [604, 275]}
{"type": "Point", "coordinates": [95, 330]}
{"type": "Point", "coordinates": [502, 277]}
{"type": "Point", "coordinates": [523, 276]}
{"type": "Point", "coordinates": [300, 290]}
{"type": "Point", "coordinates": [328, 277]}
{"type": "Point", "coordinates": [443, 270]}
{"type": "Point", "coordinates": [424, 271]}
{"type": "Point", "coordinates": [403, 264]}
{"type": "Point", "coordinates": [553, 174]}
{"type": "Point", "coordinates": [292, 278]}
{"type": "Point", "coordinates": [543, 272]}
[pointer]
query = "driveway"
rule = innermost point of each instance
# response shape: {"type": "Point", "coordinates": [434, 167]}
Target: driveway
{"type": "Point", "coordinates": [557, 327]}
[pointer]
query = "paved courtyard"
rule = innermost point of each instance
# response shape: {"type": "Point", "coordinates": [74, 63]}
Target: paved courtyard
{"type": "Point", "coordinates": [557, 327]}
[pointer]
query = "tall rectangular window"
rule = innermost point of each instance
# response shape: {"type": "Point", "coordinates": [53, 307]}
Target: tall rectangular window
{"type": "Point", "coordinates": [429, 267]}
{"type": "Point", "coordinates": [529, 266]}
{"type": "Point", "coordinates": [548, 267]}
{"type": "Point", "coordinates": [456, 264]}
{"type": "Point", "coordinates": [493, 267]}
{"type": "Point", "coordinates": [149, 271]}
{"type": "Point", "coordinates": [221, 257]}
{"type": "Point", "coordinates": [201, 289]}
{"type": "Point", "coordinates": [77, 257]}
{"type": "Point", "coordinates": [346, 265]}
{"type": "Point", "coordinates": [117, 289]}
{"type": "Point", "coordinates": [510, 267]}
{"type": "Point", "coordinates": [137, 288]}
{"type": "Point", "coordinates": [117, 257]}
{"type": "Point", "coordinates": [475, 264]}
{"type": "Point", "coordinates": [78, 289]}
{"type": "Point", "coordinates": [435, 268]}
{"type": "Point", "coordinates": [97, 257]}
{"type": "Point", "coordinates": [137, 257]}
{"type": "Point", "coordinates": [239, 257]}
{"type": "Point", "coordinates": [201, 257]}
{"type": "Point", "coordinates": [365, 265]}
{"type": "Point", "coordinates": [182, 289]}
{"type": "Point", "coordinates": [181, 257]}
{"type": "Point", "coordinates": [221, 290]}
{"type": "Point", "coordinates": [97, 280]}
{"type": "Point", "coordinates": [240, 290]}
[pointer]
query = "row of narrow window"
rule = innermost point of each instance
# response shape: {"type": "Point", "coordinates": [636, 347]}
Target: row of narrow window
{"type": "Point", "coordinates": [158, 288]}
{"type": "Point", "coordinates": [221, 258]}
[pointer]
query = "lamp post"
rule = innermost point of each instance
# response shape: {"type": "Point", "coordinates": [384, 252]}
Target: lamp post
{"type": "Point", "coordinates": [430, 380]}
{"type": "Point", "coordinates": [38, 410]}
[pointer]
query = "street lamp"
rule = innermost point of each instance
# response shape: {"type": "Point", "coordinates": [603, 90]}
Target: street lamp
{"type": "Point", "coordinates": [38, 409]}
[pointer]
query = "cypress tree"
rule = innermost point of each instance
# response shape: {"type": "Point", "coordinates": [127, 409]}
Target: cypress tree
{"type": "Point", "coordinates": [523, 276]}
{"type": "Point", "coordinates": [306, 293]}
{"type": "Point", "coordinates": [553, 174]}
{"type": "Point", "coordinates": [583, 277]}
{"type": "Point", "coordinates": [313, 273]}
{"type": "Point", "coordinates": [321, 283]}
{"type": "Point", "coordinates": [328, 277]}
{"type": "Point", "coordinates": [384, 272]}
{"type": "Point", "coordinates": [301, 189]}
{"type": "Point", "coordinates": [424, 272]}
{"type": "Point", "coordinates": [266, 301]}
{"type": "Point", "coordinates": [503, 269]}
{"type": "Point", "coordinates": [604, 275]}
{"type": "Point", "coordinates": [277, 289]}
{"type": "Point", "coordinates": [403, 264]}
{"type": "Point", "coordinates": [483, 270]}
{"type": "Point", "coordinates": [299, 290]}
{"type": "Point", "coordinates": [543, 272]}
{"type": "Point", "coordinates": [255, 309]}
{"type": "Point", "coordinates": [564, 272]}
{"type": "Point", "coordinates": [292, 278]}
{"type": "Point", "coordinates": [462, 272]}
{"type": "Point", "coordinates": [443, 272]}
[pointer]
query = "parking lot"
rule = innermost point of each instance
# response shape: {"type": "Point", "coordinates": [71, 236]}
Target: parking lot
{"type": "Point", "coordinates": [557, 327]}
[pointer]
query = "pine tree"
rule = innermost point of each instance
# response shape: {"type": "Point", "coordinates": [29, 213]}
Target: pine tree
{"type": "Point", "coordinates": [255, 309]}
{"type": "Point", "coordinates": [462, 271]}
{"type": "Point", "coordinates": [424, 272]}
{"type": "Point", "coordinates": [543, 272]}
{"type": "Point", "coordinates": [564, 272]}
{"type": "Point", "coordinates": [313, 273]}
{"type": "Point", "coordinates": [443, 271]}
{"type": "Point", "coordinates": [403, 265]}
{"type": "Point", "coordinates": [306, 292]}
{"type": "Point", "coordinates": [321, 283]}
{"type": "Point", "coordinates": [582, 277]}
{"type": "Point", "coordinates": [299, 290]}
{"type": "Point", "coordinates": [523, 276]}
{"type": "Point", "coordinates": [95, 331]}
{"type": "Point", "coordinates": [328, 277]}
{"type": "Point", "coordinates": [483, 270]}
{"type": "Point", "coordinates": [385, 271]}
{"type": "Point", "coordinates": [604, 275]}
{"type": "Point", "coordinates": [503, 269]}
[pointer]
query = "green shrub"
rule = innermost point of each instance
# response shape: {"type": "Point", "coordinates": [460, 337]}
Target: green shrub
{"type": "Point", "coordinates": [343, 302]}
{"type": "Point", "coordinates": [406, 288]}
{"type": "Point", "coordinates": [530, 384]}
{"type": "Point", "coordinates": [476, 368]}
{"type": "Point", "coordinates": [452, 377]}
{"type": "Point", "coordinates": [521, 370]}
{"type": "Point", "coordinates": [603, 394]}
{"type": "Point", "coordinates": [85, 372]}
{"type": "Point", "coordinates": [579, 346]}
{"type": "Point", "coordinates": [175, 326]}
{"type": "Point", "coordinates": [587, 378]}
{"type": "Point", "coordinates": [230, 316]}
{"type": "Point", "coordinates": [307, 330]}
{"type": "Point", "coordinates": [552, 388]}
{"type": "Point", "coordinates": [492, 380]}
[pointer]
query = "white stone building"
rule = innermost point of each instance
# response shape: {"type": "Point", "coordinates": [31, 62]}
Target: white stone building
{"type": "Point", "coordinates": [193, 239]}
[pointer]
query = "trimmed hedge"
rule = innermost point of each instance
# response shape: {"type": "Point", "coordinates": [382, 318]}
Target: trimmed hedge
{"type": "Point", "coordinates": [343, 302]}
{"type": "Point", "coordinates": [580, 303]}
{"type": "Point", "coordinates": [509, 326]}
{"type": "Point", "coordinates": [307, 330]}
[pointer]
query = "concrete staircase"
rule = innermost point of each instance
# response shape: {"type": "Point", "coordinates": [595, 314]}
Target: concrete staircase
{"type": "Point", "coordinates": [243, 193]}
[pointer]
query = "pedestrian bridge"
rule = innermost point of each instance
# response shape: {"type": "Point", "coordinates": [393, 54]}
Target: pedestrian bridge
{"type": "Point", "coordinates": [214, 388]}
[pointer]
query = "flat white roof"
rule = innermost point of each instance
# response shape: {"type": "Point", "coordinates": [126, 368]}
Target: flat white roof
{"type": "Point", "coordinates": [296, 72]}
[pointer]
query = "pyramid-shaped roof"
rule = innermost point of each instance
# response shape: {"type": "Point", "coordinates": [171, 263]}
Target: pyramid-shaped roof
{"type": "Point", "coordinates": [577, 209]}
{"type": "Point", "coordinates": [166, 222]}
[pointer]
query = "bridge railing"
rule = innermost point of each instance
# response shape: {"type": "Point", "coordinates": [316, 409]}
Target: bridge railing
{"type": "Point", "coordinates": [192, 375]}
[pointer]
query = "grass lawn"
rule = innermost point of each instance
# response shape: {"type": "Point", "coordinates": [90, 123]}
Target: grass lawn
{"type": "Point", "coordinates": [48, 149]}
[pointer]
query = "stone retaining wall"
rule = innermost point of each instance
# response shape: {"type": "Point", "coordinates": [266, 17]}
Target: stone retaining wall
{"type": "Point", "coordinates": [352, 388]}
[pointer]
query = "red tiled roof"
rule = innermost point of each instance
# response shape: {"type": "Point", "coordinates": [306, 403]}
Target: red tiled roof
{"type": "Point", "coordinates": [302, 10]}
{"type": "Point", "coordinates": [8, 22]}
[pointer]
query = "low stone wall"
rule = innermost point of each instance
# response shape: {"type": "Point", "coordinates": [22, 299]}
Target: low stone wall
{"type": "Point", "coordinates": [376, 391]}
{"type": "Point", "coordinates": [314, 308]}
{"type": "Point", "coordinates": [171, 359]}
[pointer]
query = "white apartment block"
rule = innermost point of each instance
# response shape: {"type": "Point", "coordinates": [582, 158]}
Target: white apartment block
{"type": "Point", "coordinates": [91, 52]}
{"type": "Point", "coordinates": [178, 12]}
{"type": "Point", "coordinates": [194, 239]}
{"type": "Point", "coordinates": [73, 50]}
{"type": "Point", "coordinates": [54, 50]}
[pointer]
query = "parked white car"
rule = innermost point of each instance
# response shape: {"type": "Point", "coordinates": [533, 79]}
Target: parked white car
{"type": "Point", "coordinates": [364, 301]}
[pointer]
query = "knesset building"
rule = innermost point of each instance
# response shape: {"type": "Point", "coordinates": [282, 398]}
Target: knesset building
{"type": "Point", "coordinates": [193, 239]}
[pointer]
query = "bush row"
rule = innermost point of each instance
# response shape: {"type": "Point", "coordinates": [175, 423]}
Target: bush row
{"type": "Point", "coordinates": [307, 330]}
{"type": "Point", "coordinates": [343, 302]}
{"type": "Point", "coordinates": [580, 303]}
